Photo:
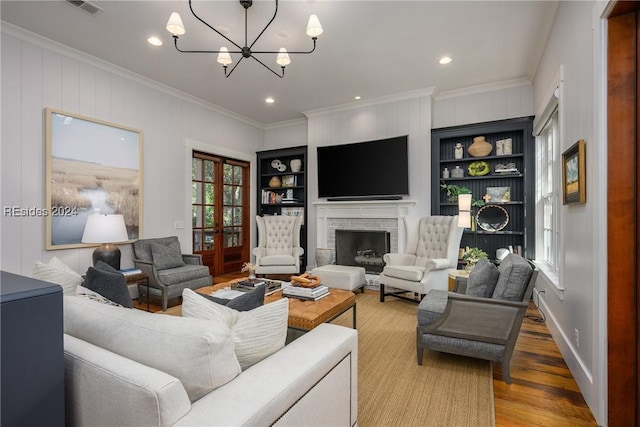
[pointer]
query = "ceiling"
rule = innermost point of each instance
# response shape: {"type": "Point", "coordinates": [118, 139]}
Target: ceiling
{"type": "Point", "coordinates": [368, 48]}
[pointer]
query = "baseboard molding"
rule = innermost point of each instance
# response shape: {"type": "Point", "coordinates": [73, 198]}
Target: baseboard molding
{"type": "Point", "coordinates": [578, 369]}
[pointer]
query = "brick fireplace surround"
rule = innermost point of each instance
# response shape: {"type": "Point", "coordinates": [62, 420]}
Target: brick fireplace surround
{"type": "Point", "coordinates": [362, 215]}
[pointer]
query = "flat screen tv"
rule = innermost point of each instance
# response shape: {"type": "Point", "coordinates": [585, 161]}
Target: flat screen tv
{"type": "Point", "coordinates": [364, 170]}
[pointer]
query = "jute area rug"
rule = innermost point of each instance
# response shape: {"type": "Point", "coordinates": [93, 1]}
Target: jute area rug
{"type": "Point", "coordinates": [393, 390]}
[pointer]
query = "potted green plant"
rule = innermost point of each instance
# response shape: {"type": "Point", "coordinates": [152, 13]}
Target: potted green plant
{"type": "Point", "coordinates": [453, 191]}
{"type": "Point", "coordinates": [471, 256]}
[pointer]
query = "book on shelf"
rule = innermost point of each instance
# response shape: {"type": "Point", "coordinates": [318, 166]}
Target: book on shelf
{"type": "Point", "coordinates": [130, 271]}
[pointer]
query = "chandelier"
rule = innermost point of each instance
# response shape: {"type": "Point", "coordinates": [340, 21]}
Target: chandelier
{"type": "Point", "coordinates": [176, 27]}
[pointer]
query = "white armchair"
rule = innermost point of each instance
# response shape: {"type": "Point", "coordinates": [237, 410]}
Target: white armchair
{"type": "Point", "coordinates": [431, 250]}
{"type": "Point", "coordinates": [279, 249]}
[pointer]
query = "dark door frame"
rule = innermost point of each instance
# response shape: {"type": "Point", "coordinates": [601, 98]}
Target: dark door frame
{"type": "Point", "coordinates": [623, 181]}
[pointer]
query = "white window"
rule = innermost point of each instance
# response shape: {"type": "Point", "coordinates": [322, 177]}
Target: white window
{"type": "Point", "coordinates": [548, 192]}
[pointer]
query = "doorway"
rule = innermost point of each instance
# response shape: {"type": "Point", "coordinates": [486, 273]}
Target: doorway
{"type": "Point", "coordinates": [220, 211]}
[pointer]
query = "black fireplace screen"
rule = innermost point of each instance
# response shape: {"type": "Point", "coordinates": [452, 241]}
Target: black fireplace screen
{"type": "Point", "coordinates": [362, 248]}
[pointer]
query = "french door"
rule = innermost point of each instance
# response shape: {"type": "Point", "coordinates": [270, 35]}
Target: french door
{"type": "Point", "coordinates": [220, 209]}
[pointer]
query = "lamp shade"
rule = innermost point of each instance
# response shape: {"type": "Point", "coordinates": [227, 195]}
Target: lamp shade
{"type": "Point", "coordinates": [223, 57]}
{"type": "Point", "coordinates": [105, 229]}
{"type": "Point", "coordinates": [464, 219]}
{"type": "Point", "coordinates": [175, 25]}
{"type": "Point", "coordinates": [314, 29]}
{"type": "Point", "coordinates": [283, 58]}
{"type": "Point", "coordinates": [464, 202]}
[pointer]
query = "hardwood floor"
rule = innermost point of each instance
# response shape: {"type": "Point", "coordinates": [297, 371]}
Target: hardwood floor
{"type": "Point", "coordinates": [542, 392]}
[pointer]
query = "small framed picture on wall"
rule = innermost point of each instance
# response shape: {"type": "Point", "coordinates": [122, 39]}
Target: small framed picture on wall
{"type": "Point", "coordinates": [574, 178]}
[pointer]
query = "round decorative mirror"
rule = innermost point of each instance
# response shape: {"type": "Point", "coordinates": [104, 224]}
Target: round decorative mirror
{"type": "Point", "coordinates": [492, 218]}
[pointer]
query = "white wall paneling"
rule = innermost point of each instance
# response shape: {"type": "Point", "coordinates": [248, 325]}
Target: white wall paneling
{"type": "Point", "coordinates": [498, 101]}
{"type": "Point", "coordinates": [37, 74]}
{"type": "Point", "coordinates": [403, 114]}
{"type": "Point", "coordinates": [575, 43]}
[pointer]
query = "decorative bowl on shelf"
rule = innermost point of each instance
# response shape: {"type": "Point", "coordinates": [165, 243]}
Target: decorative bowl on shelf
{"type": "Point", "coordinates": [275, 182]}
{"type": "Point", "coordinates": [479, 168]}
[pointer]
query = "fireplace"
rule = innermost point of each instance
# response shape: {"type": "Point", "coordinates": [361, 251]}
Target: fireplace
{"type": "Point", "coordinates": [362, 248]}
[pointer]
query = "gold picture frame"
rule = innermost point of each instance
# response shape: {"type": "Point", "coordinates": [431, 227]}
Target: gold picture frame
{"type": "Point", "coordinates": [574, 178]}
{"type": "Point", "coordinates": [90, 165]}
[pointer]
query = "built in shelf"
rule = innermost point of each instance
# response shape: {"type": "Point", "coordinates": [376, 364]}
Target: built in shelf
{"type": "Point", "coordinates": [521, 228]}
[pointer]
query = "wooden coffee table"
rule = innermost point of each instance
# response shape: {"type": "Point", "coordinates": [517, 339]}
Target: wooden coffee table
{"type": "Point", "coordinates": [303, 315]}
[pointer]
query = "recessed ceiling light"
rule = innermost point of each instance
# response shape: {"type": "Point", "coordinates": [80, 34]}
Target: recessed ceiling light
{"type": "Point", "coordinates": [357, 97]}
{"type": "Point", "coordinates": [445, 60]}
{"type": "Point", "coordinates": [154, 41]}
{"type": "Point", "coordinates": [269, 100]}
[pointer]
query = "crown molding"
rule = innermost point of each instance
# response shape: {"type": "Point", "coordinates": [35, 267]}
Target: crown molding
{"type": "Point", "coordinates": [489, 87]}
{"type": "Point", "coordinates": [286, 123]}
{"type": "Point", "coordinates": [28, 36]}
{"type": "Point", "coordinates": [402, 96]}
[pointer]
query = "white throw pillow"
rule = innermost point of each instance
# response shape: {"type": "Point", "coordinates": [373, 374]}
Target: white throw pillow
{"type": "Point", "coordinates": [55, 271]}
{"type": "Point", "coordinates": [256, 334]}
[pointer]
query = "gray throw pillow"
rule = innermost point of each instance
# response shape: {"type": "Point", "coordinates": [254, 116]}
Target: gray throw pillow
{"type": "Point", "coordinates": [515, 272]}
{"type": "Point", "coordinates": [246, 302]}
{"type": "Point", "coordinates": [482, 279]}
{"type": "Point", "coordinates": [110, 285]}
{"type": "Point", "coordinates": [169, 256]}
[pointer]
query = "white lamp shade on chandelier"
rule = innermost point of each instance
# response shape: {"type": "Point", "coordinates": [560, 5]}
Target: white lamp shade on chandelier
{"type": "Point", "coordinates": [314, 29]}
{"type": "Point", "coordinates": [175, 25]}
{"type": "Point", "coordinates": [223, 57]}
{"type": "Point", "coordinates": [283, 58]}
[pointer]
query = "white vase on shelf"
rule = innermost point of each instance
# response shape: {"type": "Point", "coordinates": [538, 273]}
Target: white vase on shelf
{"type": "Point", "coordinates": [295, 165]}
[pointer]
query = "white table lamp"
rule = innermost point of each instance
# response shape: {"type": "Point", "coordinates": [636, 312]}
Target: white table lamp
{"type": "Point", "coordinates": [106, 230]}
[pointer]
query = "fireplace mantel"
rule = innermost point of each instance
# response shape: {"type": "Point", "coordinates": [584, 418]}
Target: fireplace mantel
{"type": "Point", "coordinates": [362, 210]}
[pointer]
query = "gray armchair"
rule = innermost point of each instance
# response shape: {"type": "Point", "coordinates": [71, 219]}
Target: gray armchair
{"type": "Point", "coordinates": [482, 319]}
{"type": "Point", "coordinates": [169, 270]}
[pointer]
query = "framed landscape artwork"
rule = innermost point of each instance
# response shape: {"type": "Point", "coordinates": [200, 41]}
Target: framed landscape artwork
{"type": "Point", "coordinates": [91, 167]}
{"type": "Point", "coordinates": [574, 190]}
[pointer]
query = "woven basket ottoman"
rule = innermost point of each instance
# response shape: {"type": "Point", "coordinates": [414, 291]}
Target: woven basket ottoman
{"type": "Point", "coordinates": [341, 276]}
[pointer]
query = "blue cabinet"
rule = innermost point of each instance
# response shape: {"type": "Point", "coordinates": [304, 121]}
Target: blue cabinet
{"type": "Point", "coordinates": [32, 351]}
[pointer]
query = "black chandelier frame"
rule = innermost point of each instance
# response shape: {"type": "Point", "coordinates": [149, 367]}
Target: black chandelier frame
{"type": "Point", "coordinates": [246, 50]}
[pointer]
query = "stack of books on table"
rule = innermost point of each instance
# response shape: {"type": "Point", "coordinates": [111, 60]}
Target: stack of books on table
{"type": "Point", "coordinates": [310, 294]}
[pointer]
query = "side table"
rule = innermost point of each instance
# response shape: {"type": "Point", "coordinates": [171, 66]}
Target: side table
{"type": "Point", "coordinates": [453, 274]}
{"type": "Point", "coordinates": [139, 279]}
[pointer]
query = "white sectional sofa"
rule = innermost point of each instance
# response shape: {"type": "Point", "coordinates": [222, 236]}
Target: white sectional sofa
{"type": "Point", "coordinates": [128, 367]}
